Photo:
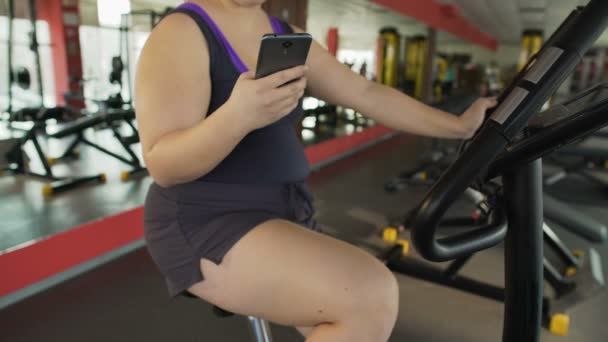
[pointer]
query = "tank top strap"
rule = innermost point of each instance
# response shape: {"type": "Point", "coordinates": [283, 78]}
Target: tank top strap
{"type": "Point", "coordinates": [220, 49]}
{"type": "Point", "coordinates": [280, 27]}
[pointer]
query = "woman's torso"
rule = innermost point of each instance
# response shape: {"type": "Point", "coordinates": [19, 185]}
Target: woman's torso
{"type": "Point", "coordinates": [270, 155]}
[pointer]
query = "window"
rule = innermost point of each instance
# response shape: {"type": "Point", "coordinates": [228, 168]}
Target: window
{"type": "Point", "coordinates": [109, 12]}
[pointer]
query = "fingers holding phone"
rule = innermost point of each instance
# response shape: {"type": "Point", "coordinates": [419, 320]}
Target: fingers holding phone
{"type": "Point", "coordinates": [259, 103]}
{"type": "Point", "coordinates": [287, 97]}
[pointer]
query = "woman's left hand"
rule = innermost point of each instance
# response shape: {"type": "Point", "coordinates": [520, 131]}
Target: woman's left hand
{"type": "Point", "coordinates": [472, 119]}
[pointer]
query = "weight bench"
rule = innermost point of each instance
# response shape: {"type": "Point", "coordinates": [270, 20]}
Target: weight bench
{"type": "Point", "coordinates": [7, 153]}
{"type": "Point", "coordinates": [112, 120]}
{"type": "Point", "coordinates": [16, 162]}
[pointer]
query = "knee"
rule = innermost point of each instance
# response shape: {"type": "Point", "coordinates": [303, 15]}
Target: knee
{"type": "Point", "coordinates": [379, 307]}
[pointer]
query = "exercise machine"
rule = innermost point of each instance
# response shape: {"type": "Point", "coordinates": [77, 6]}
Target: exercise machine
{"type": "Point", "coordinates": [389, 52]}
{"type": "Point", "coordinates": [554, 210]}
{"type": "Point", "coordinates": [505, 148]}
{"type": "Point", "coordinates": [17, 162]}
{"type": "Point", "coordinates": [15, 75]}
{"type": "Point", "coordinates": [573, 275]}
{"type": "Point", "coordinates": [19, 76]}
{"type": "Point", "coordinates": [415, 59]}
{"type": "Point", "coordinates": [121, 63]}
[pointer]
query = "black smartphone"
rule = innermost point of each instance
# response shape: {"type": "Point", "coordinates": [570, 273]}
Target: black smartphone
{"type": "Point", "coordinates": [282, 51]}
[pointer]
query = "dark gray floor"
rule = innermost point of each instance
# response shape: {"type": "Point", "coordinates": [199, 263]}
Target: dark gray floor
{"type": "Point", "coordinates": [126, 300]}
{"type": "Point", "coordinates": [27, 215]}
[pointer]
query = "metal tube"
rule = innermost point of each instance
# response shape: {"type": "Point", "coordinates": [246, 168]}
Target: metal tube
{"type": "Point", "coordinates": [524, 253]}
{"type": "Point", "coordinates": [557, 245]}
{"type": "Point", "coordinates": [423, 271]}
{"type": "Point", "coordinates": [128, 57]}
{"type": "Point", "coordinates": [260, 329]}
{"type": "Point", "coordinates": [9, 51]}
{"type": "Point", "coordinates": [455, 266]}
{"type": "Point", "coordinates": [35, 49]}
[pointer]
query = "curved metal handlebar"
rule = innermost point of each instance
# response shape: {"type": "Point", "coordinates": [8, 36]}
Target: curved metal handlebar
{"type": "Point", "coordinates": [452, 184]}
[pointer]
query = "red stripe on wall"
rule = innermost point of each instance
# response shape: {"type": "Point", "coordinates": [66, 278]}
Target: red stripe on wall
{"type": "Point", "coordinates": [441, 17]}
{"type": "Point", "coordinates": [40, 260]}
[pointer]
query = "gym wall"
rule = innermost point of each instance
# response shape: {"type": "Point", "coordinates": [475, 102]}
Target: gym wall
{"type": "Point", "coordinates": [88, 8]}
{"type": "Point", "coordinates": [360, 31]}
{"type": "Point", "coordinates": [23, 57]}
{"type": "Point", "coordinates": [294, 12]}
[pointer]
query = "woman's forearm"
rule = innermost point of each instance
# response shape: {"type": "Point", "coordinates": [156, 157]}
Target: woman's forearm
{"type": "Point", "coordinates": [188, 154]}
{"type": "Point", "coordinates": [396, 110]}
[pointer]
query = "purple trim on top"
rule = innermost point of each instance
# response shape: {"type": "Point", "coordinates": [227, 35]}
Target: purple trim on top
{"type": "Point", "coordinates": [277, 27]}
{"type": "Point", "coordinates": [236, 60]}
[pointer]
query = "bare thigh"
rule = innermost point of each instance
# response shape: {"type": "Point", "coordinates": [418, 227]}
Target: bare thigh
{"type": "Point", "coordinates": [292, 276]}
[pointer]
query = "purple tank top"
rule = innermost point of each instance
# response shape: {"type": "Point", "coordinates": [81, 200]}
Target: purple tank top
{"type": "Point", "coordinates": [270, 155]}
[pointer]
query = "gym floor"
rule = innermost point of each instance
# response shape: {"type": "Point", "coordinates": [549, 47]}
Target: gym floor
{"type": "Point", "coordinates": [126, 300]}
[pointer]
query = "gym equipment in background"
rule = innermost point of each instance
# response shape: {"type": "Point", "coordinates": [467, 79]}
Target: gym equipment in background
{"type": "Point", "coordinates": [585, 161]}
{"type": "Point", "coordinates": [18, 163]}
{"type": "Point", "coordinates": [531, 42]}
{"type": "Point", "coordinates": [9, 53]}
{"type": "Point", "coordinates": [592, 69]}
{"type": "Point", "coordinates": [582, 159]}
{"type": "Point", "coordinates": [504, 148]}
{"type": "Point", "coordinates": [31, 122]}
{"type": "Point", "coordinates": [442, 65]}
{"type": "Point", "coordinates": [415, 58]}
{"type": "Point", "coordinates": [441, 155]}
{"type": "Point", "coordinates": [115, 101]}
{"type": "Point", "coordinates": [22, 77]}
{"type": "Point", "coordinates": [389, 52]}
{"type": "Point", "coordinates": [121, 63]}
{"type": "Point", "coordinates": [112, 119]}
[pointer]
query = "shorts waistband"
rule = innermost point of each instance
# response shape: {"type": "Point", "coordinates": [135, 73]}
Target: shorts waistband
{"type": "Point", "coordinates": [198, 191]}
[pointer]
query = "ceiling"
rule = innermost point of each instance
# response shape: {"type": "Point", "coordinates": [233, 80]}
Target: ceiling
{"type": "Point", "coordinates": [505, 20]}
{"type": "Point", "coordinates": [502, 19]}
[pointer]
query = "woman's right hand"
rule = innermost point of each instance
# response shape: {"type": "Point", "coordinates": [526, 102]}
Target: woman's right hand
{"type": "Point", "coordinates": [259, 103]}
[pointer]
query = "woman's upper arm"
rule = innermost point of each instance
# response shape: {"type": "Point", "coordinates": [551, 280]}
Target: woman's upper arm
{"type": "Point", "coordinates": [332, 81]}
{"type": "Point", "coordinates": [173, 85]}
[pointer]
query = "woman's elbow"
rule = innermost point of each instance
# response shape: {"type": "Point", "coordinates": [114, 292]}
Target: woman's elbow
{"type": "Point", "coordinates": [160, 173]}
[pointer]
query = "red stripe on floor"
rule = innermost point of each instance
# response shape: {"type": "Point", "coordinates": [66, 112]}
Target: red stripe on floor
{"type": "Point", "coordinates": [60, 252]}
{"type": "Point", "coordinates": [42, 259]}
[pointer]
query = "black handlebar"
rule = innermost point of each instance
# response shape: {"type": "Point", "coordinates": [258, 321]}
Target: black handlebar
{"type": "Point", "coordinates": [522, 100]}
{"type": "Point", "coordinates": [452, 184]}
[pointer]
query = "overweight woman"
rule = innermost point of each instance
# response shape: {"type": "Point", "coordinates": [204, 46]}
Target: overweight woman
{"type": "Point", "coordinates": [229, 218]}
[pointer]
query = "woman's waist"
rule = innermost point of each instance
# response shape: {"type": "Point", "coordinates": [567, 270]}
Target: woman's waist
{"type": "Point", "coordinates": [211, 193]}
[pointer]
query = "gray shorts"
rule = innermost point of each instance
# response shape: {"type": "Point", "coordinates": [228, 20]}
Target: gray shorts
{"type": "Point", "coordinates": [201, 220]}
